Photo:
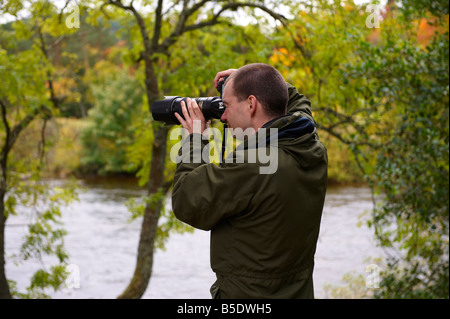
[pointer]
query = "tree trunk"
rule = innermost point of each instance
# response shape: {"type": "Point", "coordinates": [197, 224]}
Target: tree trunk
{"type": "Point", "coordinates": [144, 263]}
{"type": "Point", "coordinates": [5, 293]}
{"type": "Point", "coordinates": [4, 287]}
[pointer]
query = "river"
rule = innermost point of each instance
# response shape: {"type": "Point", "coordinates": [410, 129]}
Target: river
{"type": "Point", "coordinates": [102, 245]}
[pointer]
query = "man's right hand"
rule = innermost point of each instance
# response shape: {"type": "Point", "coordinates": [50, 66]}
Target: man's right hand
{"type": "Point", "coordinates": [221, 75]}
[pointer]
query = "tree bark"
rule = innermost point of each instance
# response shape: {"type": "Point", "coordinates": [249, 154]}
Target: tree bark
{"type": "Point", "coordinates": [5, 293]}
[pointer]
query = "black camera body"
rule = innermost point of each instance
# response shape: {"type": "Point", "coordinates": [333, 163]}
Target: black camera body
{"type": "Point", "coordinates": [164, 110]}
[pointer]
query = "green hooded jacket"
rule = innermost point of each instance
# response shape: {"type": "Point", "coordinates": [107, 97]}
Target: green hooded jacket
{"type": "Point", "coordinates": [264, 226]}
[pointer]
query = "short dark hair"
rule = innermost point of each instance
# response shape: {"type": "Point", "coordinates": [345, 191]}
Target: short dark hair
{"type": "Point", "coordinates": [265, 83]}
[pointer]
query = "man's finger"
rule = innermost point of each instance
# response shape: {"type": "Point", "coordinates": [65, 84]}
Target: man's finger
{"type": "Point", "coordinates": [189, 105]}
{"type": "Point", "coordinates": [196, 110]}
{"type": "Point", "coordinates": [217, 78]}
{"type": "Point", "coordinates": [185, 111]}
{"type": "Point", "coordinates": [221, 75]}
{"type": "Point", "coordinates": [180, 119]}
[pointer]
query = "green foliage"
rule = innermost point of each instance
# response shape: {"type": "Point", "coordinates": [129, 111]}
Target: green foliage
{"type": "Point", "coordinates": [117, 109]}
{"type": "Point", "coordinates": [45, 236]}
{"type": "Point", "coordinates": [217, 48]}
{"type": "Point", "coordinates": [420, 8]}
{"type": "Point", "coordinates": [94, 41]}
{"type": "Point", "coordinates": [354, 287]}
{"type": "Point", "coordinates": [40, 282]}
{"type": "Point", "coordinates": [24, 95]}
{"type": "Point", "coordinates": [44, 241]}
{"type": "Point", "coordinates": [21, 71]}
{"type": "Point", "coordinates": [412, 168]}
{"type": "Point", "coordinates": [417, 159]}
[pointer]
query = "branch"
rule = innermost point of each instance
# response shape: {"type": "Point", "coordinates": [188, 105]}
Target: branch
{"type": "Point", "coordinates": [57, 41]}
{"type": "Point", "coordinates": [279, 17]}
{"type": "Point", "coordinates": [340, 137]}
{"type": "Point", "coordinates": [118, 3]}
{"type": "Point", "coordinates": [43, 47]}
{"type": "Point", "coordinates": [180, 29]}
{"type": "Point", "coordinates": [62, 10]}
{"type": "Point", "coordinates": [5, 120]}
{"type": "Point", "coordinates": [186, 13]}
{"type": "Point", "coordinates": [140, 21]}
{"type": "Point", "coordinates": [12, 135]}
{"type": "Point", "coordinates": [346, 119]}
{"type": "Point", "coordinates": [158, 24]}
{"type": "Point", "coordinates": [4, 150]}
{"type": "Point", "coordinates": [236, 5]}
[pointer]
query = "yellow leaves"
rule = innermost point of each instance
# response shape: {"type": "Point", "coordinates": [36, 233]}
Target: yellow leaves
{"type": "Point", "coordinates": [66, 87]}
{"type": "Point", "coordinates": [65, 156]}
{"type": "Point", "coordinates": [428, 29]}
{"type": "Point", "coordinates": [349, 6]}
{"type": "Point", "coordinates": [63, 146]}
{"type": "Point", "coordinates": [284, 57]}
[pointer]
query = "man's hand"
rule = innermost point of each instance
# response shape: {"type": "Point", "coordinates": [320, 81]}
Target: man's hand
{"type": "Point", "coordinates": [221, 75]}
{"type": "Point", "coordinates": [194, 121]}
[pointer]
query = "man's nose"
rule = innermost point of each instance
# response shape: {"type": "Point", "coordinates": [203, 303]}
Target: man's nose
{"type": "Point", "coordinates": [223, 118]}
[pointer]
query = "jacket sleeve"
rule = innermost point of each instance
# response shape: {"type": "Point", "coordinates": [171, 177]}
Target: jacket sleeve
{"type": "Point", "coordinates": [205, 193]}
{"type": "Point", "coordinates": [298, 103]}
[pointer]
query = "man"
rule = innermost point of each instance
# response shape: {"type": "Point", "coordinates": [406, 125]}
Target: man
{"type": "Point", "coordinates": [264, 227]}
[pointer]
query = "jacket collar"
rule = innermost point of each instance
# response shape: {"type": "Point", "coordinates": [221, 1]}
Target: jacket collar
{"type": "Point", "coordinates": [288, 126]}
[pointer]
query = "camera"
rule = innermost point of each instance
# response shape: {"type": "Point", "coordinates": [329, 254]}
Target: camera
{"type": "Point", "coordinates": [164, 110]}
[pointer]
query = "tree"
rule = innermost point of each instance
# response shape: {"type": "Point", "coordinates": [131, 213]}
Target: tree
{"type": "Point", "coordinates": [412, 170]}
{"type": "Point", "coordinates": [411, 80]}
{"type": "Point", "coordinates": [26, 95]}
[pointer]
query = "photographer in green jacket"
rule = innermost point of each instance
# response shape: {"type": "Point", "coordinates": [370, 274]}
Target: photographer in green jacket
{"type": "Point", "coordinates": [264, 226]}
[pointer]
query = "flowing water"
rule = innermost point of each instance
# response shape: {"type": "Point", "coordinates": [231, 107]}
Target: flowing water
{"type": "Point", "coordinates": [102, 244]}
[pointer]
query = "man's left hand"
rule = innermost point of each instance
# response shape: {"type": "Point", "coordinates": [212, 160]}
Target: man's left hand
{"type": "Point", "coordinates": [194, 121]}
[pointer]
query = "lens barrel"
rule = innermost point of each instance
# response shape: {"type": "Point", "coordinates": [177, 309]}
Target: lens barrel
{"type": "Point", "coordinates": [164, 110]}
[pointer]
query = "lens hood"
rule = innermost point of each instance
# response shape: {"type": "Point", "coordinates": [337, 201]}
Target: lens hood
{"type": "Point", "coordinates": [162, 110]}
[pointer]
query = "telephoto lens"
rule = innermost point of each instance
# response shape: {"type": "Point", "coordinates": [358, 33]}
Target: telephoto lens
{"type": "Point", "coordinates": [164, 110]}
{"type": "Point", "coordinates": [212, 107]}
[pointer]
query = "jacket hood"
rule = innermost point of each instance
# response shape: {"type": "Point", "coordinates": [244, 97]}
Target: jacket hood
{"type": "Point", "coordinates": [297, 136]}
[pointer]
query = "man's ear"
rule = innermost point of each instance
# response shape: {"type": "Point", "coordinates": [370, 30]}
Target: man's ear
{"type": "Point", "coordinates": [253, 104]}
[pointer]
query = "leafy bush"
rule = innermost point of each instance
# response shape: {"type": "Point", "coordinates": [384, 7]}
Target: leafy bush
{"type": "Point", "coordinates": [118, 103]}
